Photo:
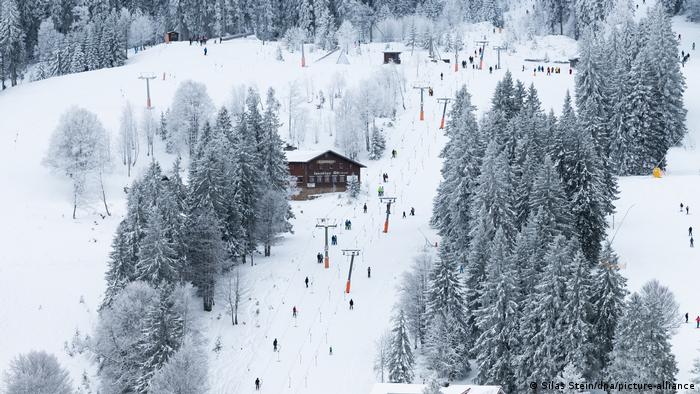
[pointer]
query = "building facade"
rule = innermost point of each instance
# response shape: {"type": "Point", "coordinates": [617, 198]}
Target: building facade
{"type": "Point", "coordinates": [317, 172]}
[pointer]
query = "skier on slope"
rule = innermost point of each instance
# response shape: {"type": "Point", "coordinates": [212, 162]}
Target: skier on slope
{"type": "Point", "coordinates": [274, 345]}
{"type": "Point", "coordinates": [364, 208]}
{"type": "Point", "coordinates": [690, 231]}
{"type": "Point", "coordinates": [306, 281]}
{"type": "Point", "coordinates": [369, 272]}
{"type": "Point", "coordinates": [294, 311]}
{"type": "Point", "coordinates": [257, 384]}
{"type": "Point", "coordinates": [686, 317]}
{"type": "Point", "coordinates": [413, 211]}
{"type": "Point", "coordinates": [697, 320]}
{"type": "Point", "coordinates": [681, 207]}
{"type": "Point", "coordinates": [691, 242]}
{"type": "Point", "coordinates": [352, 304]}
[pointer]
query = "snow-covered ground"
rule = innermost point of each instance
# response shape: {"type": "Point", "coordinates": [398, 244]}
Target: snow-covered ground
{"type": "Point", "coordinates": [49, 262]}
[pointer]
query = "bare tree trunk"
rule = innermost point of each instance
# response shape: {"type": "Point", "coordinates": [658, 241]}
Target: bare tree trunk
{"type": "Point", "coordinates": [104, 197]}
{"type": "Point", "coordinates": [237, 294]}
{"type": "Point", "coordinates": [75, 202]}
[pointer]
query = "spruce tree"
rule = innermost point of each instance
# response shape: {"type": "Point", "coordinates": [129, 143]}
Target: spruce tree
{"type": "Point", "coordinates": [498, 318]}
{"type": "Point", "coordinates": [547, 194]}
{"type": "Point", "coordinates": [400, 363]}
{"type": "Point", "coordinates": [377, 143]}
{"type": "Point", "coordinates": [441, 355]}
{"type": "Point", "coordinates": [161, 338]}
{"type": "Point", "coordinates": [577, 313]}
{"type": "Point", "coordinates": [584, 178]}
{"type": "Point", "coordinates": [274, 161]}
{"type": "Point", "coordinates": [608, 291]}
{"type": "Point", "coordinates": [641, 348]}
{"type": "Point", "coordinates": [446, 304]}
{"type": "Point", "coordinates": [544, 354]}
{"type": "Point", "coordinates": [158, 261]}
{"type": "Point", "coordinates": [205, 252]}
{"type": "Point", "coordinates": [246, 175]}
{"type": "Point", "coordinates": [12, 36]}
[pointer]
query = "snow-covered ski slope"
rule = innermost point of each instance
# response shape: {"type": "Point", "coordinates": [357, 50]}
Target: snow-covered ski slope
{"type": "Point", "coordinates": [49, 262]}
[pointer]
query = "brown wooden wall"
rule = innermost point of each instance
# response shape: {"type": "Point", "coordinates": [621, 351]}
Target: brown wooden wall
{"type": "Point", "coordinates": [325, 174]}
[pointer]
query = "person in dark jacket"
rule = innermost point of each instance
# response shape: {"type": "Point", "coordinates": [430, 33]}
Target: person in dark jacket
{"type": "Point", "coordinates": [352, 304]}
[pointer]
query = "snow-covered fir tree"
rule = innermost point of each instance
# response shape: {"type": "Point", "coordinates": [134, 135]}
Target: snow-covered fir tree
{"type": "Point", "coordinates": [608, 291]}
{"type": "Point", "coordinates": [161, 337]}
{"type": "Point", "coordinates": [641, 348]}
{"type": "Point", "coordinates": [205, 252]}
{"type": "Point", "coordinates": [400, 361]}
{"type": "Point", "coordinates": [447, 343]}
{"type": "Point", "coordinates": [377, 144]}
{"type": "Point", "coordinates": [498, 318]}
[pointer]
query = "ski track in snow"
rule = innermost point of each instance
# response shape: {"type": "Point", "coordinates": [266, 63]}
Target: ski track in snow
{"type": "Point", "coordinates": [49, 261]}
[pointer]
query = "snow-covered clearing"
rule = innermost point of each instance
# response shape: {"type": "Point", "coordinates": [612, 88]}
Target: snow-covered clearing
{"type": "Point", "coordinates": [49, 262]}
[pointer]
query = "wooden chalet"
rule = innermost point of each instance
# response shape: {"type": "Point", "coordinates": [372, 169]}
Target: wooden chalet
{"type": "Point", "coordinates": [319, 172]}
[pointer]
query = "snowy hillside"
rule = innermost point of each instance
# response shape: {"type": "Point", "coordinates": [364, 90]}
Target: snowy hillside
{"type": "Point", "coordinates": [52, 267]}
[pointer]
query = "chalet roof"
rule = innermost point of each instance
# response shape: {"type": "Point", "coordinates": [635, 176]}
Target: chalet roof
{"type": "Point", "coordinates": [404, 388]}
{"type": "Point", "coordinates": [305, 156]}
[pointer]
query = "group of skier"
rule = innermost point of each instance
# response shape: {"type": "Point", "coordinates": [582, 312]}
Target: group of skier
{"type": "Point", "coordinates": [201, 40]}
{"type": "Point", "coordinates": [697, 320]}
{"type": "Point", "coordinates": [548, 70]}
{"type": "Point", "coordinates": [412, 212]}
{"type": "Point", "coordinates": [690, 229]}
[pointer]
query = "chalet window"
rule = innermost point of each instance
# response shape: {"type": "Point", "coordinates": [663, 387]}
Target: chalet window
{"type": "Point", "coordinates": [312, 179]}
{"type": "Point", "coordinates": [327, 179]}
{"type": "Point", "coordinates": [341, 178]}
{"type": "Point", "coordinates": [334, 179]}
{"type": "Point", "coordinates": [300, 179]}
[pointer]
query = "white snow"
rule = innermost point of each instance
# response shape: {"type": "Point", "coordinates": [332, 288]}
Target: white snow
{"type": "Point", "coordinates": [49, 262]}
{"type": "Point", "coordinates": [396, 388]}
{"type": "Point", "coordinates": [302, 156]}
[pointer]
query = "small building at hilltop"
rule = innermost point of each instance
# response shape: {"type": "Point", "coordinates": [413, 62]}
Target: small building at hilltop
{"type": "Point", "coordinates": [319, 172]}
{"type": "Point", "coordinates": [392, 57]}
{"type": "Point", "coordinates": [172, 36]}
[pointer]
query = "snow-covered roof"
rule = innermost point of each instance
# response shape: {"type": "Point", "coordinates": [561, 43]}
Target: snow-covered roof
{"type": "Point", "coordinates": [302, 156]}
{"type": "Point", "coordinates": [404, 388]}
